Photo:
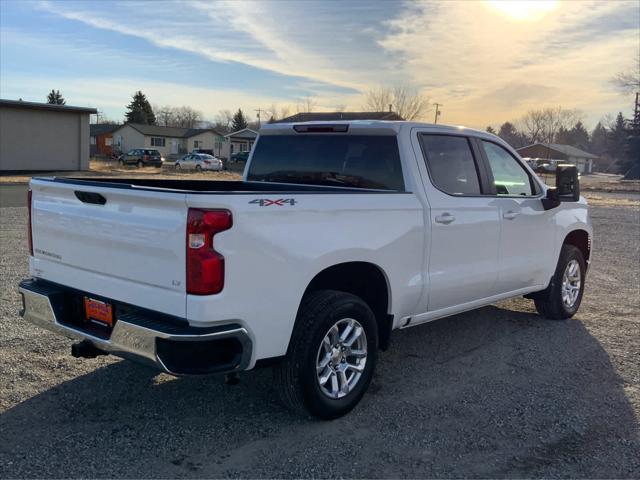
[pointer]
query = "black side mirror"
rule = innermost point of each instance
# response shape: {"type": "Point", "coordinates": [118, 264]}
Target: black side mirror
{"type": "Point", "coordinates": [567, 183]}
{"type": "Point", "coordinates": [567, 187]}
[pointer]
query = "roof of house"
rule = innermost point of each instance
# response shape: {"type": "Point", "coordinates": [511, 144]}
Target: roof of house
{"type": "Point", "coordinates": [331, 116]}
{"type": "Point", "coordinates": [567, 150]}
{"type": "Point", "coordinates": [45, 106]}
{"type": "Point", "coordinates": [244, 133]}
{"type": "Point", "coordinates": [176, 132]}
{"type": "Point", "coordinates": [102, 128]}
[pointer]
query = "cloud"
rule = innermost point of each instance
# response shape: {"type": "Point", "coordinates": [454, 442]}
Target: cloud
{"type": "Point", "coordinates": [507, 66]}
{"type": "Point", "coordinates": [238, 32]}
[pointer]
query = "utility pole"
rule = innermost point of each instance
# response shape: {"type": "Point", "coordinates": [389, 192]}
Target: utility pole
{"type": "Point", "coordinates": [438, 112]}
{"type": "Point", "coordinates": [259, 110]}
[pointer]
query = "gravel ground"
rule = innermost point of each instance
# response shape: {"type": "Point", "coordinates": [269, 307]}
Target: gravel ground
{"type": "Point", "coordinates": [497, 392]}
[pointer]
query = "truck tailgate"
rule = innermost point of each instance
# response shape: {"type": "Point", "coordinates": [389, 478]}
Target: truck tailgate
{"type": "Point", "coordinates": [131, 248]}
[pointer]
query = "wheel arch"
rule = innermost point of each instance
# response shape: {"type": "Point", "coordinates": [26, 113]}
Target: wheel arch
{"type": "Point", "coordinates": [580, 239]}
{"type": "Point", "coordinates": [365, 280]}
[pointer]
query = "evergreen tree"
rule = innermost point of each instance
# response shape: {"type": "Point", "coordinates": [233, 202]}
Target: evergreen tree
{"type": "Point", "coordinates": [239, 122]}
{"type": "Point", "coordinates": [55, 98]}
{"type": "Point", "coordinates": [490, 129]}
{"type": "Point", "coordinates": [563, 136]}
{"type": "Point", "coordinates": [510, 134]}
{"type": "Point", "coordinates": [633, 144]}
{"type": "Point", "coordinates": [139, 110]}
{"type": "Point", "coordinates": [617, 139]}
{"type": "Point", "coordinates": [599, 140]}
{"type": "Point", "coordinates": [579, 137]}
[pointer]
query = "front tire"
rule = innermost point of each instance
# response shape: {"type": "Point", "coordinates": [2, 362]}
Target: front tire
{"type": "Point", "coordinates": [563, 296]}
{"type": "Point", "coordinates": [331, 356]}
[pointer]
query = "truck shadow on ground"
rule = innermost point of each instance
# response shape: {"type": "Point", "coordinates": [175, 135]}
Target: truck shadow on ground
{"type": "Point", "coordinates": [496, 392]}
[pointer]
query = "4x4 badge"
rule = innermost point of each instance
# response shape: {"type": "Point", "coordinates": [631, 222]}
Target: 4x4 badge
{"type": "Point", "coordinates": [280, 202]}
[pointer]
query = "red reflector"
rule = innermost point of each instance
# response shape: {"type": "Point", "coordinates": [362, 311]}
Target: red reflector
{"type": "Point", "coordinates": [30, 233]}
{"type": "Point", "coordinates": [205, 266]}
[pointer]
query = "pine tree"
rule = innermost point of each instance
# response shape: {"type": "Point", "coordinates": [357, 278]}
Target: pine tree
{"type": "Point", "coordinates": [579, 137]}
{"type": "Point", "coordinates": [599, 140]}
{"type": "Point", "coordinates": [239, 122]}
{"type": "Point", "coordinates": [55, 98]}
{"type": "Point", "coordinates": [617, 139]}
{"type": "Point", "coordinates": [510, 134]}
{"type": "Point", "coordinates": [139, 110]}
{"type": "Point", "coordinates": [490, 129]}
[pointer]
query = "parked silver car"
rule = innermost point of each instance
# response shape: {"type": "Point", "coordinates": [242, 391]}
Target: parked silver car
{"type": "Point", "coordinates": [199, 161]}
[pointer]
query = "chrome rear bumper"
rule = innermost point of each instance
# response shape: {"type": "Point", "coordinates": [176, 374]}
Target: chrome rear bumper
{"type": "Point", "coordinates": [176, 350]}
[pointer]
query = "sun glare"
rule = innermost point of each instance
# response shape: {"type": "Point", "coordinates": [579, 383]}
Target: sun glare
{"type": "Point", "coordinates": [523, 10]}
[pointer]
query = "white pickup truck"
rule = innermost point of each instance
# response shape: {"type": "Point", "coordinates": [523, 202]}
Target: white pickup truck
{"type": "Point", "coordinates": [338, 234]}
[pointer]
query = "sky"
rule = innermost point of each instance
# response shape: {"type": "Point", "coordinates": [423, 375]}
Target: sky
{"type": "Point", "coordinates": [485, 61]}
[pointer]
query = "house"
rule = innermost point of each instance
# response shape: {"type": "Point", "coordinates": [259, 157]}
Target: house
{"type": "Point", "coordinates": [565, 153]}
{"type": "Point", "coordinates": [169, 141]}
{"type": "Point", "coordinates": [240, 141]}
{"type": "Point", "coordinates": [101, 138]}
{"type": "Point", "coordinates": [40, 137]}
{"type": "Point", "coordinates": [333, 116]}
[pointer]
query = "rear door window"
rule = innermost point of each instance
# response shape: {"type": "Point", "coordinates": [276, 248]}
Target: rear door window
{"type": "Point", "coordinates": [360, 161]}
{"type": "Point", "coordinates": [451, 164]}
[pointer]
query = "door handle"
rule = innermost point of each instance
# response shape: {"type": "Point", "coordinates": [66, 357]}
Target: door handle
{"type": "Point", "coordinates": [510, 215]}
{"type": "Point", "coordinates": [445, 218]}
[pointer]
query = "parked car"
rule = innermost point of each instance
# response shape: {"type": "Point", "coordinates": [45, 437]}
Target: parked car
{"type": "Point", "coordinates": [199, 161]}
{"type": "Point", "coordinates": [337, 235]}
{"type": "Point", "coordinates": [239, 157]}
{"type": "Point", "coordinates": [142, 157]}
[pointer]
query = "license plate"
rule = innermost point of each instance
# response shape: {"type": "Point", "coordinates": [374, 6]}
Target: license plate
{"type": "Point", "coordinates": [98, 311]}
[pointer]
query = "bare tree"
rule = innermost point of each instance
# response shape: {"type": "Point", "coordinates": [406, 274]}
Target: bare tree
{"type": "Point", "coordinates": [628, 82]}
{"type": "Point", "coordinates": [543, 125]}
{"type": "Point", "coordinates": [306, 104]}
{"type": "Point", "coordinates": [223, 119]}
{"type": "Point", "coordinates": [164, 115]}
{"type": "Point", "coordinates": [186, 117]}
{"type": "Point", "coordinates": [407, 102]}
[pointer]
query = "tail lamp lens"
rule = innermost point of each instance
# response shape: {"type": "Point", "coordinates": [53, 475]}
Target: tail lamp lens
{"type": "Point", "coordinates": [205, 266]}
{"type": "Point", "coordinates": [30, 233]}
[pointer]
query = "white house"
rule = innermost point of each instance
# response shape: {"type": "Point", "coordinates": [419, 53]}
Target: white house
{"type": "Point", "coordinates": [240, 141]}
{"type": "Point", "coordinates": [169, 141]}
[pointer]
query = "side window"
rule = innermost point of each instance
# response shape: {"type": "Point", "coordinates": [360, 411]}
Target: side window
{"type": "Point", "coordinates": [451, 165]}
{"type": "Point", "coordinates": [509, 176]}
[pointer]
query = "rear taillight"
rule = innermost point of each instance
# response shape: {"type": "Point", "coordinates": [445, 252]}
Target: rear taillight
{"type": "Point", "coordinates": [146, 157]}
{"type": "Point", "coordinates": [30, 233]}
{"type": "Point", "coordinates": [205, 266]}
{"type": "Point", "coordinates": [208, 162]}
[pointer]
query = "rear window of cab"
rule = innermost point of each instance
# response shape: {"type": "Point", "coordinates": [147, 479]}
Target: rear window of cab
{"type": "Point", "coordinates": [356, 161]}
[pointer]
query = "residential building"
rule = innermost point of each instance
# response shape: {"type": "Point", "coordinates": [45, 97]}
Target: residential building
{"type": "Point", "coordinates": [333, 116]}
{"type": "Point", "coordinates": [101, 138]}
{"type": "Point", "coordinates": [169, 141]}
{"type": "Point", "coordinates": [564, 153]}
{"type": "Point", "coordinates": [240, 141]}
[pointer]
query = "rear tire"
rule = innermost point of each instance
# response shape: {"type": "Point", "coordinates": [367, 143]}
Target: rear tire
{"type": "Point", "coordinates": [121, 163]}
{"type": "Point", "coordinates": [335, 340]}
{"type": "Point", "coordinates": [198, 168]}
{"type": "Point", "coordinates": [140, 164]}
{"type": "Point", "coordinates": [562, 297]}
